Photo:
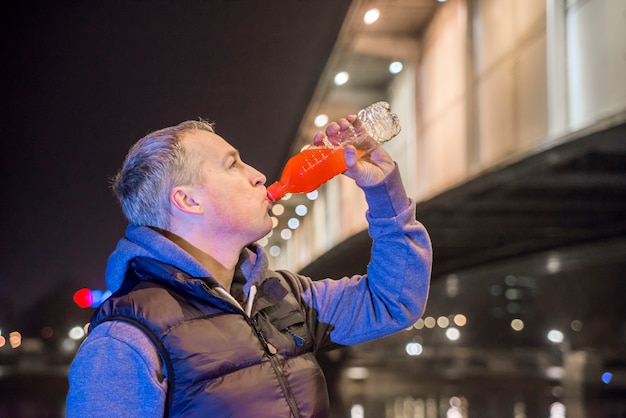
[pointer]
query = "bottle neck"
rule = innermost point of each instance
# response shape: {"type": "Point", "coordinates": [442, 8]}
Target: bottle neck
{"type": "Point", "coordinates": [275, 192]}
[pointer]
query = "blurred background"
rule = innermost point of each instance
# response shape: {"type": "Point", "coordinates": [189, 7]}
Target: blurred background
{"type": "Point", "coordinates": [513, 145]}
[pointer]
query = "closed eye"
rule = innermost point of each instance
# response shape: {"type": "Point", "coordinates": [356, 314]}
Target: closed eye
{"type": "Point", "coordinates": [233, 159]}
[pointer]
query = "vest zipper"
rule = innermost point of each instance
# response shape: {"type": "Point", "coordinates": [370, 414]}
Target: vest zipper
{"type": "Point", "coordinates": [278, 369]}
{"type": "Point", "coordinates": [285, 387]}
{"type": "Point", "coordinates": [269, 349]}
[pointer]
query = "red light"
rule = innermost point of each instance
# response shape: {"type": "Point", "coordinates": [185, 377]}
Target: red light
{"type": "Point", "coordinates": [83, 298]}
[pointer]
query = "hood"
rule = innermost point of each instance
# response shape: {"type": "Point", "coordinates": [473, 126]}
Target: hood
{"type": "Point", "coordinates": [143, 241]}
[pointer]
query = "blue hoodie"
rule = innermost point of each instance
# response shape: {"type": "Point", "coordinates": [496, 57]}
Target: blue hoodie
{"type": "Point", "coordinates": [117, 371]}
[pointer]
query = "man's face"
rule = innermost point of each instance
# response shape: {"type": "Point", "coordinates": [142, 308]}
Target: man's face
{"type": "Point", "coordinates": [233, 193]}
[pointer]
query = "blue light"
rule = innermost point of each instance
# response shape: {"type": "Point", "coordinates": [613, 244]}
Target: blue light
{"type": "Point", "coordinates": [606, 377]}
{"type": "Point", "coordinates": [96, 297]}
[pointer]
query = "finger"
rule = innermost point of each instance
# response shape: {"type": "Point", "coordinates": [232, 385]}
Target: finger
{"type": "Point", "coordinates": [318, 139]}
{"type": "Point", "coordinates": [356, 122]}
{"type": "Point", "coordinates": [344, 123]}
{"type": "Point", "coordinates": [333, 128]}
{"type": "Point", "coordinates": [349, 122]}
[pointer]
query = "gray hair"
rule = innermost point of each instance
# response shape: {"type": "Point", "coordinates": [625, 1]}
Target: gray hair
{"type": "Point", "coordinates": [155, 164]}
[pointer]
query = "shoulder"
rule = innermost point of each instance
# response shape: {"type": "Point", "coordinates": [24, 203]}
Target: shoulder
{"type": "Point", "coordinates": [123, 341]}
{"type": "Point", "coordinates": [116, 372]}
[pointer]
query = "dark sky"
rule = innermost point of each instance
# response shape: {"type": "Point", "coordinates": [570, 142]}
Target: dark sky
{"type": "Point", "coordinates": [82, 81]}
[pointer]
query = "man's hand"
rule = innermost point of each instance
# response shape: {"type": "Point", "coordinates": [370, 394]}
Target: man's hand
{"type": "Point", "coordinates": [371, 168]}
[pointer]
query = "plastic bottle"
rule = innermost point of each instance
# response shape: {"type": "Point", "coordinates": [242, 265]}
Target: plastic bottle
{"type": "Point", "coordinates": [314, 166]}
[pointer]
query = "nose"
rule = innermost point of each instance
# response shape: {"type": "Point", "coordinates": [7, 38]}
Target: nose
{"type": "Point", "coordinates": [257, 178]}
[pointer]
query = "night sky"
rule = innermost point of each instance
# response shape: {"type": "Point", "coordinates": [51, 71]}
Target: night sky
{"type": "Point", "coordinates": [82, 81]}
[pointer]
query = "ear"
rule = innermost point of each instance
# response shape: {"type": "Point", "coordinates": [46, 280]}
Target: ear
{"type": "Point", "coordinates": [185, 199]}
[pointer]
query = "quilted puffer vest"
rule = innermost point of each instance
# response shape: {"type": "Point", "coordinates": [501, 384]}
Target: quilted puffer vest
{"type": "Point", "coordinates": [219, 361]}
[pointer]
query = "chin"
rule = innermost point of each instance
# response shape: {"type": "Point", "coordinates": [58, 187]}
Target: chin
{"type": "Point", "coordinates": [267, 230]}
{"type": "Point", "coordinates": [263, 232]}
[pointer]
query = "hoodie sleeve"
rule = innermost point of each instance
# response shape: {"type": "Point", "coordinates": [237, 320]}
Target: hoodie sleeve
{"type": "Point", "coordinates": [116, 372]}
{"type": "Point", "coordinates": [392, 295]}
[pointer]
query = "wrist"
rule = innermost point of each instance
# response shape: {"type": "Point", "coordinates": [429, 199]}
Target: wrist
{"type": "Point", "coordinates": [387, 198]}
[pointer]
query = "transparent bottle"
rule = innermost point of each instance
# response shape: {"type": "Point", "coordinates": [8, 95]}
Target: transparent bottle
{"type": "Point", "coordinates": [314, 166]}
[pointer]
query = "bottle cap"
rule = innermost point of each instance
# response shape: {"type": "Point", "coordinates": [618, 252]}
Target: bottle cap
{"type": "Point", "coordinates": [275, 192]}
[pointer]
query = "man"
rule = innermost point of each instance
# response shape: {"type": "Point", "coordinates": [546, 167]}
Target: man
{"type": "Point", "coordinates": [197, 324]}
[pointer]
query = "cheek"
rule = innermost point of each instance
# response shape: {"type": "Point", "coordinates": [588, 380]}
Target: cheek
{"type": "Point", "coordinates": [234, 209]}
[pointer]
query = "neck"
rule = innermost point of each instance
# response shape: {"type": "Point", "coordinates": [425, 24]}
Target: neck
{"type": "Point", "coordinates": [220, 271]}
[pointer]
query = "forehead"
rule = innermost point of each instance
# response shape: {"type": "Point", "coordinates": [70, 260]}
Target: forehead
{"type": "Point", "coordinates": [207, 145]}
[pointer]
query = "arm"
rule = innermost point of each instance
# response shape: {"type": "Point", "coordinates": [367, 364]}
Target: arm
{"type": "Point", "coordinates": [116, 372]}
{"type": "Point", "coordinates": [392, 295]}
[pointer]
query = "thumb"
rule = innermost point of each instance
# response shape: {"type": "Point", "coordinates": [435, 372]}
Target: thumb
{"type": "Point", "coordinates": [350, 156]}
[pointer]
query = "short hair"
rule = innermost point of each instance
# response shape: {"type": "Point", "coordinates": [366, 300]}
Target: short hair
{"type": "Point", "coordinates": [153, 166]}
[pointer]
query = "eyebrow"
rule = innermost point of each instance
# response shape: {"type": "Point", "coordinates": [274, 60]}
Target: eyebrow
{"type": "Point", "coordinates": [232, 153]}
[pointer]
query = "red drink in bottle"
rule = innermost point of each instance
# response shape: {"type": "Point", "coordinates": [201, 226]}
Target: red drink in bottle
{"type": "Point", "coordinates": [307, 171]}
{"type": "Point", "coordinates": [311, 168]}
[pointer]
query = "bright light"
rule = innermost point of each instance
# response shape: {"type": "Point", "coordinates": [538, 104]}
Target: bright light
{"type": "Point", "coordinates": [301, 210]}
{"type": "Point", "coordinates": [286, 234]}
{"type": "Point", "coordinates": [3, 341]}
{"type": "Point", "coordinates": [342, 78]}
{"type": "Point", "coordinates": [321, 120]}
{"type": "Point", "coordinates": [83, 298]}
{"type": "Point", "coordinates": [606, 377]}
{"type": "Point", "coordinates": [517, 324]}
{"type": "Point", "coordinates": [312, 195]}
{"type": "Point", "coordinates": [460, 320]}
{"type": "Point", "coordinates": [357, 373]}
{"type": "Point", "coordinates": [414, 349]}
{"type": "Point", "coordinates": [555, 336]}
{"type": "Point", "coordinates": [15, 339]}
{"type": "Point", "coordinates": [371, 16]}
{"type": "Point", "coordinates": [555, 372]}
{"type": "Point", "coordinates": [454, 413]}
{"type": "Point", "coordinates": [553, 265]}
{"type": "Point", "coordinates": [97, 296]}
{"type": "Point", "coordinates": [278, 209]}
{"type": "Point", "coordinates": [419, 324]}
{"type": "Point", "coordinates": [274, 221]}
{"type": "Point", "coordinates": [557, 410]}
{"type": "Point", "coordinates": [429, 322]}
{"type": "Point", "coordinates": [274, 250]}
{"type": "Point", "coordinates": [90, 298]}
{"type": "Point", "coordinates": [443, 321]}
{"type": "Point", "coordinates": [293, 223]}
{"type": "Point", "coordinates": [263, 242]}
{"type": "Point", "coordinates": [357, 411]}
{"type": "Point", "coordinates": [76, 333]}
{"type": "Point", "coordinates": [395, 67]}
{"type": "Point", "coordinates": [453, 334]}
